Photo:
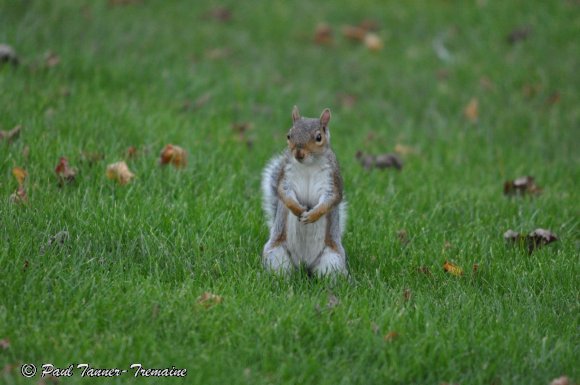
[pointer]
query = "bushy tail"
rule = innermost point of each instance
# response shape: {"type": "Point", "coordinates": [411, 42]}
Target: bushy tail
{"type": "Point", "coordinates": [269, 195]}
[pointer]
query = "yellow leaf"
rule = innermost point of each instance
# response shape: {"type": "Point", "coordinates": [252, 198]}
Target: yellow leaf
{"type": "Point", "coordinates": [20, 174]}
{"type": "Point", "coordinates": [452, 268]}
{"type": "Point", "coordinates": [471, 111]}
{"type": "Point", "coordinates": [120, 172]}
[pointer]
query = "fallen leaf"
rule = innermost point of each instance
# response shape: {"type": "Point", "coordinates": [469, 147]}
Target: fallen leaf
{"type": "Point", "coordinates": [471, 111]}
{"type": "Point", "coordinates": [452, 269]}
{"type": "Point", "coordinates": [475, 267]}
{"type": "Point", "coordinates": [388, 160]}
{"type": "Point", "coordinates": [354, 33]}
{"type": "Point", "coordinates": [564, 380]}
{"type": "Point", "coordinates": [519, 34]}
{"type": "Point", "coordinates": [539, 238]}
{"type": "Point", "coordinates": [521, 186]}
{"type": "Point", "coordinates": [533, 240]}
{"type": "Point", "coordinates": [373, 42]}
{"type": "Point", "coordinates": [208, 299]}
{"type": "Point", "coordinates": [221, 14]}
{"type": "Point", "coordinates": [241, 128]}
{"type": "Point", "coordinates": [369, 25]}
{"type": "Point", "coordinates": [131, 152]}
{"type": "Point", "coordinates": [120, 172]}
{"type": "Point", "coordinates": [4, 343]}
{"type": "Point", "coordinates": [391, 336]}
{"type": "Point", "coordinates": [174, 155]}
{"type": "Point", "coordinates": [366, 160]}
{"type": "Point", "coordinates": [19, 196]}
{"type": "Point", "coordinates": [11, 135]}
{"type": "Point", "coordinates": [26, 264]}
{"type": "Point", "coordinates": [323, 34]}
{"type": "Point", "coordinates": [64, 172]}
{"type": "Point", "coordinates": [20, 174]}
{"type": "Point", "coordinates": [51, 59]}
{"type": "Point", "coordinates": [401, 149]}
{"type": "Point", "coordinates": [8, 55]}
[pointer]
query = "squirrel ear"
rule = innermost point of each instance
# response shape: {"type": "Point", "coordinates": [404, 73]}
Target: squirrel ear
{"type": "Point", "coordinates": [295, 114]}
{"type": "Point", "coordinates": [325, 118]}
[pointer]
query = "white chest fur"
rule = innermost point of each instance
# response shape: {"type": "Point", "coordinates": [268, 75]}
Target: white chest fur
{"type": "Point", "coordinates": [305, 242]}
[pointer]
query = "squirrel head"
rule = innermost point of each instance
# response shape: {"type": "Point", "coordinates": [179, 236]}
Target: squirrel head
{"type": "Point", "coordinates": [308, 138]}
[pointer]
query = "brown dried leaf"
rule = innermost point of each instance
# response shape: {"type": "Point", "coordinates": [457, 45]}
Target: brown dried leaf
{"type": "Point", "coordinates": [564, 380]}
{"type": "Point", "coordinates": [373, 42]}
{"type": "Point", "coordinates": [475, 268]}
{"type": "Point", "coordinates": [471, 111]}
{"type": "Point", "coordinates": [131, 152]}
{"type": "Point", "coordinates": [366, 160]}
{"type": "Point", "coordinates": [452, 269]}
{"type": "Point", "coordinates": [519, 34]}
{"type": "Point", "coordinates": [208, 299]}
{"type": "Point", "coordinates": [407, 295]}
{"type": "Point", "coordinates": [119, 172]}
{"type": "Point", "coordinates": [8, 55]}
{"type": "Point", "coordinates": [19, 196]}
{"type": "Point", "coordinates": [11, 135]}
{"type": "Point", "coordinates": [174, 155]}
{"type": "Point", "coordinates": [64, 172]}
{"type": "Point", "coordinates": [354, 33]}
{"type": "Point", "coordinates": [323, 34]}
{"type": "Point", "coordinates": [5, 343]}
{"type": "Point", "coordinates": [521, 186]}
{"type": "Point", "coordinates": [26, 264]}
{"type": "Point", "coordinates": [20, 174]}
{"type": "Point", "coordinates": [383, 161]}
{"type": "Point", "coordinates": [220, 14]}
{"type": "Point", "coordinates": [533, 240]}
{"type": "Point", "coordinates": [391, 336]}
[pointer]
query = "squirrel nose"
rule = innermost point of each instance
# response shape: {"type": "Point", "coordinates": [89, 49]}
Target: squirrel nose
{"type": "Point", "coordinates": [299, 155]}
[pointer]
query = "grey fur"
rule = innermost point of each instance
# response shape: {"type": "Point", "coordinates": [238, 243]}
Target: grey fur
{"type": "Point", "coordinates": [324, 253]}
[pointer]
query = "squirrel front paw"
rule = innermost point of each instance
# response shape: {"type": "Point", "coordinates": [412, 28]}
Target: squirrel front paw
{"type": "Point", "coordinates": [308, 217]}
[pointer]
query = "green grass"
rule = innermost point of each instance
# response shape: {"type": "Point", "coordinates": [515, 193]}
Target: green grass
{"type": "Point", "coordinates": [124, 288]}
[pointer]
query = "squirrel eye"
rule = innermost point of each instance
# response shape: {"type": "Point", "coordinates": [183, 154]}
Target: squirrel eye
{"type": "Point", "coordinates": [288, 136]}
{"type": "Point", "coordinates": [319, 137]}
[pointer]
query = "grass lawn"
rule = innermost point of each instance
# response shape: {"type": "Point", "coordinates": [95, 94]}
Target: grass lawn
{"type": "Point", "coordinates": [97, 77]}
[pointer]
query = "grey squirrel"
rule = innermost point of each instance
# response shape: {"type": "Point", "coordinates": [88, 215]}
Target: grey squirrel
{"type": "Point", "coordinates": [304, 202]}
